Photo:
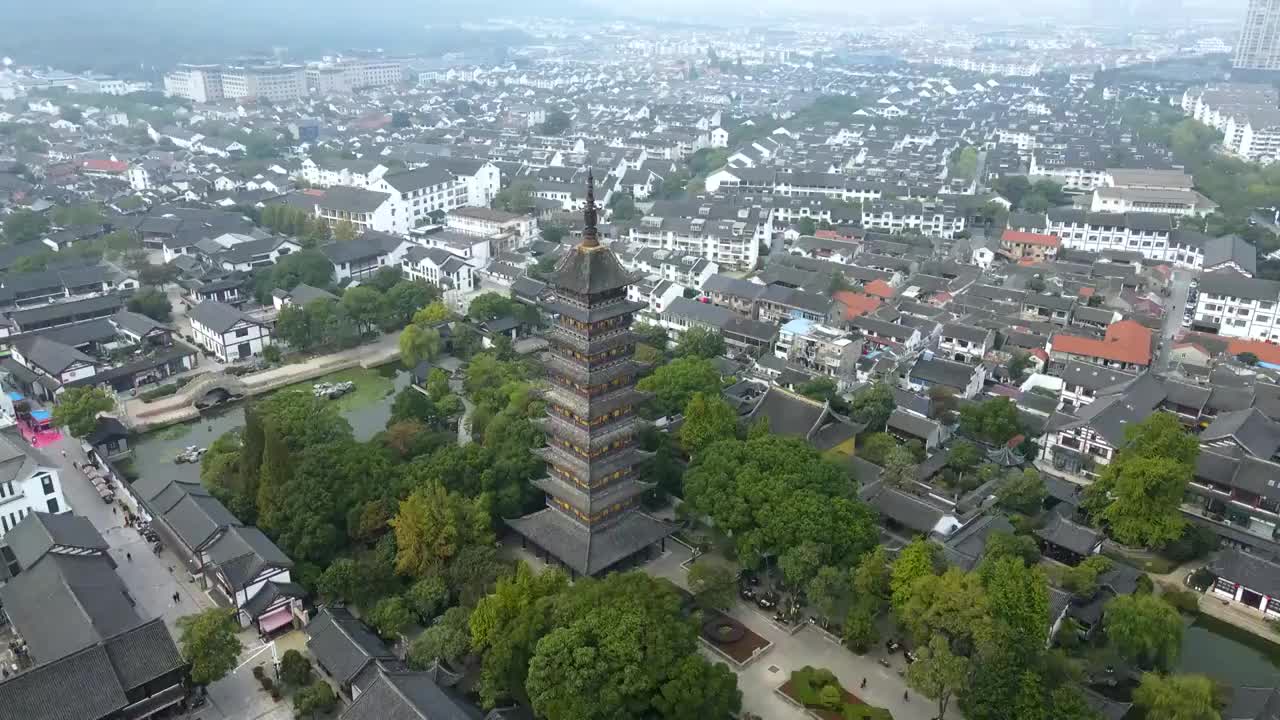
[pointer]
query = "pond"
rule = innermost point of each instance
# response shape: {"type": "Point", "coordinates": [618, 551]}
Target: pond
{"type": "Point", "coordinates": [1228, 654]}
{"type": "Point", "coordinates": [367, 408]}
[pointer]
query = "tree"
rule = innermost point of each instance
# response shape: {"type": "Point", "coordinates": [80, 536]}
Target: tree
{"type": "Point", "coordinates": [806, 226]}
{"type": "Point", "coordinates": [1247, 358]}
{"type": "Point", "coordinates": [900, 468]}
{"type": "Point", "coordinates": [391, 617]}
{"type": "Point", "coordinates": [675, 383]}
{"type": "Point", "coordinates": [1144, 629]}
{"type": "Point", "coordinates": [963, 164]}
{"type": "Point", "coordinates": [366, 305]}
{"type": "Point", "coordinates": [506, 626]}
{"type": "Point", "coordinates": [447, 640]}
{"type": "Point", "coordinates": [427, 597]}
{"type": "Point", "coordinates": [964, 456]}
{"type": "Point", "coordinates": [1003, 544]}
{"type": "Point", "coordinates": [24, 226]}
{"type": "Point", "coordinates": [153, 303]}
{"type": "Point", "coordinates": [1083, 578]}
{"type": "Point", "coordinates": [876, 447]}
{"type": "Point", "coordinates": [873, 405]}
{"type": "Point", "coordinates": [860, 631]}
{"type": "Point", "coordinates": [273, 478]}
{"type": "Point", "coordinates": [344, 231]}
{"type": "Point", "coordinates": [622, 207]}
{"type": "Point", "coordinates": [1177, 697]}
{"type": "Point", "coordinates": [938, 673]}
{"type": "Point", "coordinates": [317, 699]}
{"type": "Point", "coordinates": [918, 559]}
{"type": "Point", "coordinates": [433, 525]}
{"type": "Point", "coordinates": [553, 233]}
{"type": "Point", "coordinates": [432, 314]}
{"type": "Point", "coordinates": [993, 421]}
{"type": "Point", "coordinates": [78, 409]}
{"type": "Point", "coordinates": [305, 266]}
{"type": "Point", "coordinates": [418, 344]}
{"type": "Point", "coordinates": [557, 122]}
{"type": "Point", "coordinates": [830, 591]}
{"type": "Point", "coordinates": [707, 419]}
{"type": "Point", "coordinates": [698, 689]}
{"type": "Point", "coordinates": [697, 342]}
{"type": "Point", "coordinates": [295, 668]}
{"type": "Point", "coordinates": [209, 642]}
{"type": "Point", "coordinates": [615, 643]}
{"type": "Point", "coordinates": [516, 198]}
{"type": "Point", "coordinates": [1022, 492]}
{"type": "Point", "coordinates": [1018, 364]}
{"type": "Point", "coordinates": [1139, 494]}
{"type": "Point", "coordinates": [712, 585]}
{"type": "Point", "coordinates": [871, 579]}
{"type": "Point", "coordinates": [777, 496]}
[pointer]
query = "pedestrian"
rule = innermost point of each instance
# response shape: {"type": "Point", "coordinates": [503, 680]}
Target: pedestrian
{"type": "Point", "coordinates": [170, 568]}
{"type": "Point", "coordinates": [904, 697]}
{"type": "Point", "coordinates": [864, 683]}
{"type": "Point", "coordinates": [115, 510]}
{"type": "Point", "coordinates": [64, 453]}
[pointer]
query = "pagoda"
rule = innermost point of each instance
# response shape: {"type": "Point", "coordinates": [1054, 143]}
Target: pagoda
{"type": "Point", "coordinates": [592, 521]}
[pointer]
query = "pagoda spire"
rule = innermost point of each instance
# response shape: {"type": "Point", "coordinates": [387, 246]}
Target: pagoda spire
{"type": "Point", "coordinates": [590, 236]}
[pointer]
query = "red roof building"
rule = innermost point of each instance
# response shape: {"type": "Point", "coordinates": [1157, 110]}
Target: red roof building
{"type": "Point", "coordinates": [880, 289]}
{"type": "Point", "coordinates": [1018, 245]}
{"type": "Point", "coordinates": [856, 304]}
{"type": "Point", "coordinates": [1264, 351]}
{"type": "Point", "coordinates": [1127, 346]}
{"type": "Point", "coordinates": [114, 167]}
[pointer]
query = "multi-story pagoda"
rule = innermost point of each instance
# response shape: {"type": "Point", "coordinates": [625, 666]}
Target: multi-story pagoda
{"type": "Point", "coordinates": [592, 521]}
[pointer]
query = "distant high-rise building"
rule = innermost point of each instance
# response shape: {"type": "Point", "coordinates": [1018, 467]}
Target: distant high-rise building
{"type": "Point", "coordinates": [1259, 46]}
{"type": "Point", "coordinates": [212, 83]}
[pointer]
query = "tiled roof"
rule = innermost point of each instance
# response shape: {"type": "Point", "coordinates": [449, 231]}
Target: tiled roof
{"type": "Point", "coordinates": [1125, 341]}
{"type": "Point", "coordinates": [1029, 238]}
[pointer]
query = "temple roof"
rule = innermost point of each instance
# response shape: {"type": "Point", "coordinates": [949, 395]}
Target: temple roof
{"type": "Point", "coordinates": [587, 552]}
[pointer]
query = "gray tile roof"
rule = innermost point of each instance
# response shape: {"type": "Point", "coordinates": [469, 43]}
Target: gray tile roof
{"type": "Point", "coordinates": [943, 372]}
{"type": "Point", "coordinates": [370, 244]}
{"type": "Point", "coordinates": [1231, 248]}
{"type": "Point", "coordinates": [80, 686]}
{"type": "Point", "coordinates": [218, 317]}
{"type": "Point", "coordinates": [243, 552]}
{"type": "Point", "coordinates": [409, 696]}
{"type": "Point", "coordinates": [38, 532]}
{"type": "Point", "coordinates": [1233, 284]}
{"type": "Point", "coordinates": [586, 552]}
{"type": "Point", "coordinates": [1254, 431]}
{"type": "Point", "coordinates": [1256, 573]}
{"type": "Point", "coordinates": [352, 199]}
{"type": "Point", "coordinates": [65, 603]}
{"type": "Point", "coordinates": [1070, 535]}
{"type": "Point", "coordinates": [143, 654]}
{"type": "Point", "coordinates": [342, 644]}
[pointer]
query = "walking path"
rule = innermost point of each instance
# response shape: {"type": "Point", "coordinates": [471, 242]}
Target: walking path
{"type": "Point", "coordinates": [809, 646]}
{"type": "Point", "coordinates": [180, 407]}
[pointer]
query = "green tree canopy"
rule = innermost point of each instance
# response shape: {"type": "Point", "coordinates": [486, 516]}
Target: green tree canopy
{"type": "Point", "coordinates": [152, 302]}
{"type": "Point", "coordinates": [1177, 697]}
{"type": "Point", "coordinates": [713, 585]}
{"type": "Point", "coordinates": [209, 642]}
{"type": "Point", "coordinates": [700, 343]}
{"type": "Point", "coordinates": [1144, 629]}
{"type": "Point", "coordinates": [675, 383]}
{"type": "Point", "coordinates": [707, 419]}
{"type": "Point", "coordinates": [78, 409]}
{"type": "Point", "coordinates": [774, 494]}
{"type": "Point", "coordinates": [433, 525]}
{"type": "Point", "coordinates": [993, 421]}
{"type": "Point", "coordinates": [873, 405]}
{"type": "Point", "coordinates": [1139, 493]}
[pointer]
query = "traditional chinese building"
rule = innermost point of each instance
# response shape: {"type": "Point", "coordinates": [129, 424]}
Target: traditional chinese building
{"type": "Point", "coordinates": [593, 520]}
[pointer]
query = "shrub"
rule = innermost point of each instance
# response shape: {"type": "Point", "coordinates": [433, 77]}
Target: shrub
{"type": "Point", "coordinates": [295, 669]}
{"type": "Point", "coordinates": [267, 683]}
{"type": "Point", "coordinates": [831, 697]}
{"type": "Point", "coordinates": [1184, 600]}
{"type": "Point", "coordinates": [271, 354]}
{"type": "Point", "coordinates": [1144, 585]}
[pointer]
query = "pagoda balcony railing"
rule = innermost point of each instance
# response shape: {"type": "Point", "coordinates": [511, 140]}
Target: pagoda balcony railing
{"type": "Point", "coordinates": [574, 365]}
{"type": "Point", "coordinates": [598, 469]}
{"type": "Point", "coordinates": [591, 502]}
{"type": "Point", "coordinates": [555, 424]}
{"type": "Point", "coordinates": [584, 344]}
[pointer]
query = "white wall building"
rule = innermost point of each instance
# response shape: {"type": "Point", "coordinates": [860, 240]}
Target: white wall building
{"type": "Point", "coordinates": [31, 485]}
{"type": "Point", "coordinates": [228, 333]}
{"type": "Point", "coordinates": [1239, 306]}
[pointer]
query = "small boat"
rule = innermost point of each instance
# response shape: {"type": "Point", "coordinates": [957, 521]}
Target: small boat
{"type": "Point", "coordinates": [190, 455]}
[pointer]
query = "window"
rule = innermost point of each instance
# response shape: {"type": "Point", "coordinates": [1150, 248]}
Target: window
{"type": "Point", "coordinates": [47, 482]}
{"type": "Point", "coordinates": [53, 506]}
{"type": "Point", "coordinates": [242, 332]}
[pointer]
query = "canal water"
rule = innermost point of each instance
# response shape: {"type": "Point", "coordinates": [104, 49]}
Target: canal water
{"type": "Point", "coordinates": [1228, 654]}
{"type": "Point", "coordinates": [153, 453]}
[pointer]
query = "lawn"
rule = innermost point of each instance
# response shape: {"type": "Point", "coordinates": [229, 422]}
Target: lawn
{"type": "Point", "coordinates": [1154, 564]}
{"type": "Point", "coordinates": [371, 387]}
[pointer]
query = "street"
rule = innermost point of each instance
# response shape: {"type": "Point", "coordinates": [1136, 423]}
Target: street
{"type": "Point", "coordinates": [1180, 285]}
{"type": "Point", "coordinates": [152, 580]}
